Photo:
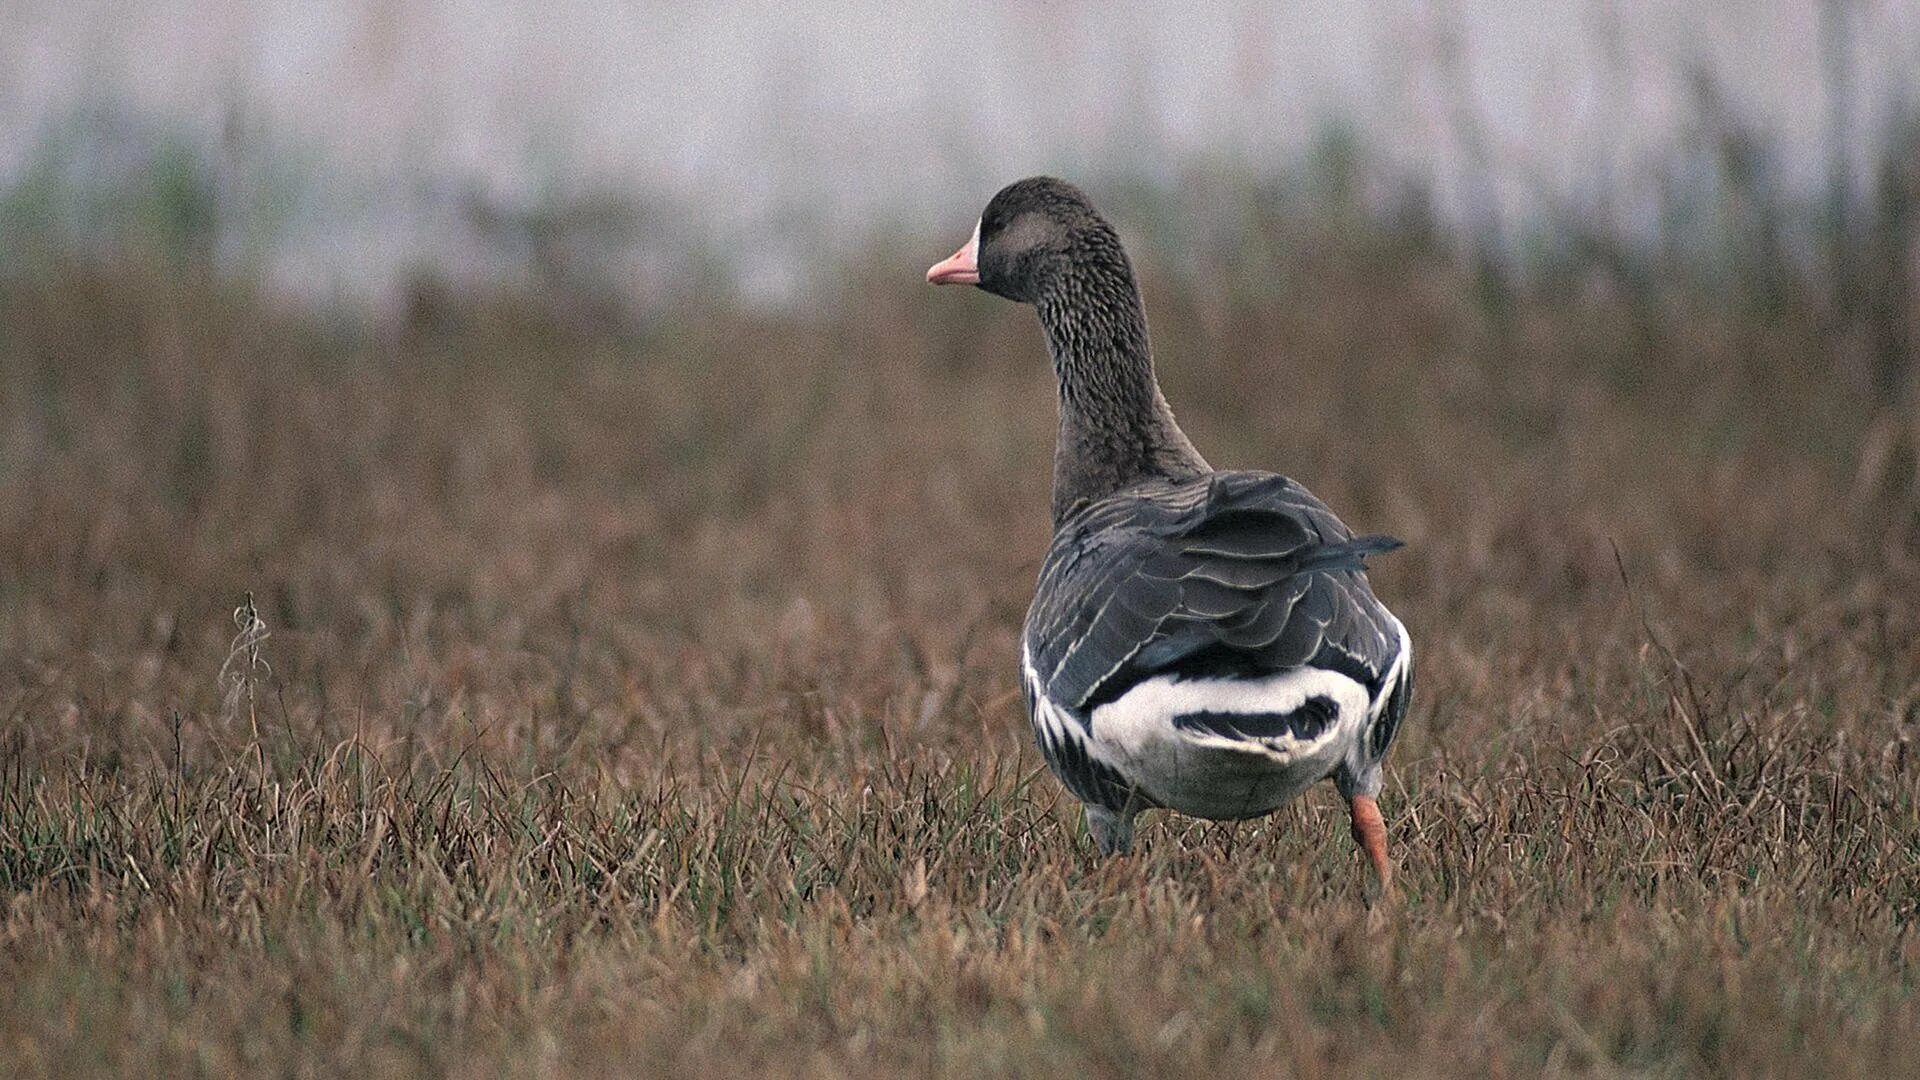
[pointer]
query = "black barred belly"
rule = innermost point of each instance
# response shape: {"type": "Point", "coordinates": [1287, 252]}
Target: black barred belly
{"type": "Point", "coordinates": [1091, 780]}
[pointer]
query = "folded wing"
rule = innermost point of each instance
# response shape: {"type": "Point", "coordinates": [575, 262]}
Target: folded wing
{"type": "Point", "coordinates": [1232, 574]}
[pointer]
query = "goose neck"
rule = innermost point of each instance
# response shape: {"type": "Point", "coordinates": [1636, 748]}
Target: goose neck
{"type": "Point", "coordinates": [1116, 429]}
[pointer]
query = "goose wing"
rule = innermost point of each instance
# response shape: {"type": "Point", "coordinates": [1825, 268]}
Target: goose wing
{"type": "Point", "coordinates": [1234, 574]}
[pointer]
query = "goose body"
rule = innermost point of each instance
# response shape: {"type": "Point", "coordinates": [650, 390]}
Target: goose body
{"type": "Point", "coordinates": [1202, 641]}
{"type": "Point", "coordinates": [1210, 647]}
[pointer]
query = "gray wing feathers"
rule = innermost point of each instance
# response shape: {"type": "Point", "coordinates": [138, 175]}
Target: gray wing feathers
{"type": "Point", "coordinates": [1244, 572]}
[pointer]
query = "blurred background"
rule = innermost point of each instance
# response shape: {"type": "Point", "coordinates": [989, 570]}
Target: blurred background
{"type": "Point", "coordinates": [341, 151]}
{"type": "Point", "coordinates": [454, 325]}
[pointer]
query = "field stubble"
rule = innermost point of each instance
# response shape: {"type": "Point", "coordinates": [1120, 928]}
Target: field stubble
{"type": "Point", "coordinates": [647, 699]}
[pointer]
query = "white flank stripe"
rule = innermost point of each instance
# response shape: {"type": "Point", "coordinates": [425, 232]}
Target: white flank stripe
{"type": "Point", "coordinates": [1053, 720]}
{"type": "Point", "coordinates": [1398, 671]}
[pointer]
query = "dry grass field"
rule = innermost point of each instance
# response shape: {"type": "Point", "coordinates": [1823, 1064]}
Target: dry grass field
{"type": "Point", "coordinates": [642, 700]}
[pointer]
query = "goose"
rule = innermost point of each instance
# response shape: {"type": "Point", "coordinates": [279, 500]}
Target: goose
{"type": "Point", "coordinates": [1203, 641]}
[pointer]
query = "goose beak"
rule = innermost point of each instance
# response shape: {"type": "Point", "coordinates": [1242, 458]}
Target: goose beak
{"type": "Point", "coordinates": [960, 268]}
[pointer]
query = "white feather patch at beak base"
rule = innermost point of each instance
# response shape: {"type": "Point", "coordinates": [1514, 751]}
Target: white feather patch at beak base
{"type": "Point", "coordinates": [960, 268]}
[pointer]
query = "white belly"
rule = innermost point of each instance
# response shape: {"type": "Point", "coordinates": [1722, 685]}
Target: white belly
{"type": "Point", "coordinates": [1215, 777]}
{"type": "Point", "coordinates": [1209, 775]}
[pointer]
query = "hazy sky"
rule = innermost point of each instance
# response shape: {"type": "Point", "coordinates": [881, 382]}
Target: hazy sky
{"type": "Point", "coordinates": [837, 119]}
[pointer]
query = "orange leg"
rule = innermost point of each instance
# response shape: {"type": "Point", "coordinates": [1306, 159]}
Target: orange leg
{"type": "Point", "coordinates": [1371, 834]}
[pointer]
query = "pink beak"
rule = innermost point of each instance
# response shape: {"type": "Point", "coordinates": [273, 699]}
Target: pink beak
{"type": "Point", "coordinates": [960, 268]}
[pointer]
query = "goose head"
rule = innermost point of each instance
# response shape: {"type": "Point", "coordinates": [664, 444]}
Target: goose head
{"type": "Point", "coordinates": [1035, 236]}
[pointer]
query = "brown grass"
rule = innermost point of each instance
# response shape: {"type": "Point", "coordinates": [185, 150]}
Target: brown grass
{"type": "Point", "coordinates": [646, 703]}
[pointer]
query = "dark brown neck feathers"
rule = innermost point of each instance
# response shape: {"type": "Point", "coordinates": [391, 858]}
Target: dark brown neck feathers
{"type": "Point", "coordinates": [1116, 429]}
